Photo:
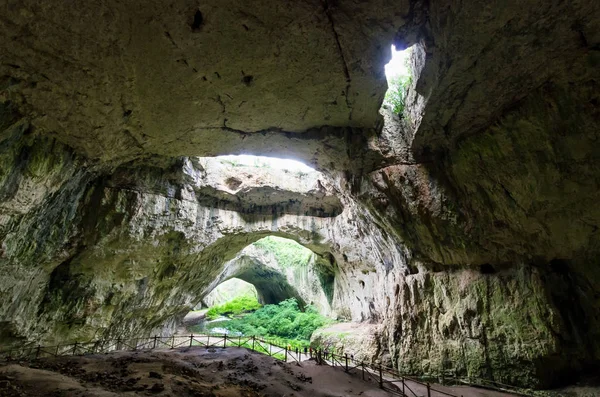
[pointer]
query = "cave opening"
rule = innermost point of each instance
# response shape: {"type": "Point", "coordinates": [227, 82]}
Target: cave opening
{"type": "Point", "coordinates": [399, 77]}
{"type": "Point", "coordinates": [267, 162]}
{"type": "Point", "coordinates": [274, 287]}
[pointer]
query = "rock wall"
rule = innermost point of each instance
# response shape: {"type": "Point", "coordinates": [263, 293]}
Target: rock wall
{"type": "Point", "coordinates": [131, 252]}
{"type": "Point", "coordinates": [507, 220]}
{"type": "Point", "coordinates": [522, 325]}
{"type": "Point", "coordinates": [435, 224]}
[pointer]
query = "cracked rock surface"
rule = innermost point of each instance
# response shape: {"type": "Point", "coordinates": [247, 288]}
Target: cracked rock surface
{"type": "Point", "coordinates": [464, 230]}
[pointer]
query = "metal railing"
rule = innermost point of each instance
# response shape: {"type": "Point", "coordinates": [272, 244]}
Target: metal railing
{"type": "Point", "coordinates": [262, 345]}
{"type": "Point", "coordinates": [388, 379]}
{"type": "Point", "coordinates": [407, 385]}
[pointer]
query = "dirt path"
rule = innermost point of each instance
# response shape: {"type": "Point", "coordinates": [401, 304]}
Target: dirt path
{"type": "Point", "coordinates": [412, 388]}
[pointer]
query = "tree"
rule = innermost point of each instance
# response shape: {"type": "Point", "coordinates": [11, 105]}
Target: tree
{"type": "Point", "coordinates": [395, 96]}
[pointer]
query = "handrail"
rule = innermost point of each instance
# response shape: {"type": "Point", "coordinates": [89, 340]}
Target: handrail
{"type": "Point", "coordinates": [261, 345]}
{"type": "Point", "coordinates": [470, 381]}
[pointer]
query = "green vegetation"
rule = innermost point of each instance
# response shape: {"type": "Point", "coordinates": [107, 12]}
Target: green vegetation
{"type": "Point", "coordinates": [239, 305]}
{"type": "Point", "coordinates": [395, 96]}
{"type": "Point", "coordinates": [398, 83]}
{"type": "Point", "coordinates": [283, 323]}
{"type": "Point", "coordinates": [287, 252]}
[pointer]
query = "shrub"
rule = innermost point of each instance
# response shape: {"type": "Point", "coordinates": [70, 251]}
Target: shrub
{"type": "Point", "coordinates": [239, 305]}
{"type": "Point", "coordinates": [284, 321]}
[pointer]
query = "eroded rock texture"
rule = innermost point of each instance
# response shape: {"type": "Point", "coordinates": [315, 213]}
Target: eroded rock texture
{"type": "Point", "coordinates": [464, 230]}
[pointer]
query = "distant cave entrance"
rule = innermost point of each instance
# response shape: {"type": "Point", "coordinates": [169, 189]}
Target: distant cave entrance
{"type": "Point", "coordinates": [228, 291]}
{"type": "Point", "coordinates": [280, 269]}
{"type": "Point", "coordinates": [270, 271]}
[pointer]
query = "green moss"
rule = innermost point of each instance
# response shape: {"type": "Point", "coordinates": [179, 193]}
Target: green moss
{"type": "Point", "coordinates": [287, 252]}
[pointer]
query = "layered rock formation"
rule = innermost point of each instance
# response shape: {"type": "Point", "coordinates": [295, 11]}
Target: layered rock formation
{"type": "Point", "coordinates": [467, 228]}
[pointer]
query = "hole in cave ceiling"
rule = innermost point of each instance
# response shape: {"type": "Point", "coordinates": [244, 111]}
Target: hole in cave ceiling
{"type": "Point", "coordinates": [399, 78]}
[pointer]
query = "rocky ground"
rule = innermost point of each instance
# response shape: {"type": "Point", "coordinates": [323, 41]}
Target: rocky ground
{"type": "Point", "coordinates": [194, 372]}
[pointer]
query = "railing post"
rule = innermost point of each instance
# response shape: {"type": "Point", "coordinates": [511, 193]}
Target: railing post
{"type": "Point", "coordinates": [346, 362]}
{"type": "Point", "coordinates": [362, 365]}
{"type": "Point", "coordinates": [191, 339]}
{"type": "Point", "coordinates": [403, 380]}
{"type": "Point", "coordinates": [286, 353]}
{"type": "Point", "coordinates": [57, 346]}
{"type": "Point", "coordinates": [428, 390]}
{"type": "Point", "coordinates": [208, 341]}
{"type": "Point", "coordinates": [270, 349]}
{"type": "Point", "coordinates": [173, 342]}
{"type": "Point", "coordinates": [74, 348]}
{"type": "Point", "coordinates": [224, 340]}
{"type": "Point", "coordinates": [253, 339]}
{"type": "Point", "coordinates": [380, 377]}
{"type": "Point", "coordinates": [240, 341]}
{"type": "Point", "coordinates": [155, 340]}
{"type": "Point", "coordinates": [37, 351]}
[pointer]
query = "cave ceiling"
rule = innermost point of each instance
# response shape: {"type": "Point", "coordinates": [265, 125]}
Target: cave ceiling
{"type": "Point", "coordinates": [117, 80]}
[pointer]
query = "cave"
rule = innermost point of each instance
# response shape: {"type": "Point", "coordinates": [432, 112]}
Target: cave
{"type": "Point", "coordinates": [455, 233]}
{"type": "Point", "coordinates": [279, 269]}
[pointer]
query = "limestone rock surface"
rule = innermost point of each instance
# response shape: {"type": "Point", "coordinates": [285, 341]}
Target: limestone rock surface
{"type": "Point", "coordinates": [466, 227]}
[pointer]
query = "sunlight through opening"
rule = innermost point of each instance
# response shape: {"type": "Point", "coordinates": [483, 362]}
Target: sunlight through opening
{"type": "Point", "coordinates": [399, 78]}
{"type": "Point", "coordinates": [398, 65]}
{"type": "Point", "coordinates": [266, 162]}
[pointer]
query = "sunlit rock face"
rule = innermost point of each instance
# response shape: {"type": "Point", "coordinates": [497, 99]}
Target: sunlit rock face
{"type": "Point", "coordinates": [466, 229]}
{"type": "Point", "coordinates": [256, 187]}
{"type": "Point", "coordinates": [131, 253]}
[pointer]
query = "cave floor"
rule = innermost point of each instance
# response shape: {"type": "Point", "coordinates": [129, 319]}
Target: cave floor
{"type": "Point", "coordinates": [188, 372]}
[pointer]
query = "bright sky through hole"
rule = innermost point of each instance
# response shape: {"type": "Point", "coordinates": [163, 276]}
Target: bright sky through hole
{"type": "Point", "coordinates": [270, 162]}
{"type": "Point", "coordinates": [398, 66]}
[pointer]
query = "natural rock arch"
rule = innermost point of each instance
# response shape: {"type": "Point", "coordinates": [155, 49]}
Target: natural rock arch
{"type": "Point", "coordinates": [143, 252]}
{"type": "Point", "coordinates": [494, 163]}
{"type": "Point", "coordinates": [310, 283]}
